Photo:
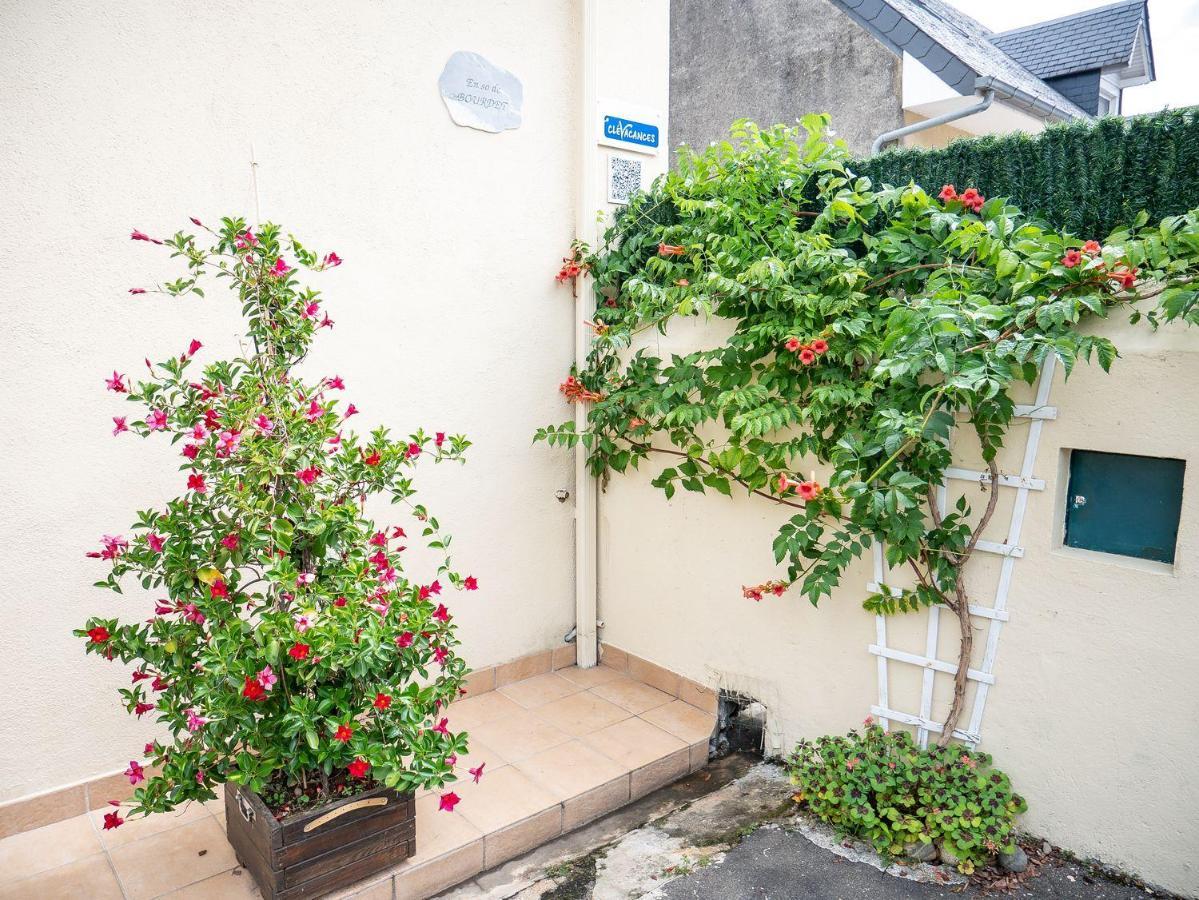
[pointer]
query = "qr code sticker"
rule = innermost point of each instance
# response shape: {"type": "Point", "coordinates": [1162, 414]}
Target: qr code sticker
{"type": "Point", "coordinates": [624, 178]}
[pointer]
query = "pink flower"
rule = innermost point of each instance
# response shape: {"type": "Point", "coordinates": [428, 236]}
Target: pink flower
{"type": "Point", "coordinates": [808, 490]}
{"type": "Point", "coordinates": [231, 541]}
{"type": "Point", "coordinates": [477, 771]}
{"type": "Point", "coordinates": [199, 432]}
{"type": "Point", "coordinates": [137, 290]}
{"type": "Point", "coordinates": [948, 192]}
{"type": "Point", "coordinates": [228, 443]}
{"type": "Point", "coordinates": [331, 261]}
{"type": "Point", "coordinates": [117, 383]}
{"type": "Point", "coordinates": [404, 640]}
{"type": "Point", "coordinates": [155, 542]}
{"type": "Point", "coordinates": [308, 475]}
{"type": "Point", "coordinates": [439, 656]}
{"type": "Point", "coordinates": [195, 482]}
{"type": "Point", "coordinates": [413, 450]}
{"type": "Point", "coordinates": [440, 727]}
{"type": "Point", "coordinates": [192, 614]}
{"type": "Point", "coordinates": [245, 241]}
{"type": "Point", "coordinates": [119, 425]}
{"type": "Point", "coordinates": [449, 801]}
{"type": "Point", "coordinates": [351, 410]}
{"type": "Point", "coordinates": [157, 420]}
{"type": "Point", "coordinates": [281, 268]}
{"type": "Point", "coordinates": [441, 614]}
{"type": "Point", "coordinates": [196, 222]}
{"type": "Point", "coordinates": [218, 590]}
{"type": "Point", "coordinates": [267, 678]}
{"type": "Point", "coordinates": [326, 322]}
{"type": "Point", "coordinates": [311, 309]}
{"type": "Point", "coordinates": [193, 347]}
{"type": "Point", "coordinates": [1071, 259]}
{"type": "Point", "coordinates": [335, 383]}
{"type": "Point", "coordinates": [304, 621]}
{"type": "Point", "coordinates": [190, 450]}
{"type": "Point", "coordinates": [264, 425]}
{"type": "Point", "coordinates": [378, 539]}
{"type": "Point", "coordinates": [470, 583]}
{"type": "Point", "coordinates": [439, 438]}
{"type": "Point", "coordinates": [315, 411]}
{"type": "Point", "coordinates": [135, 772]}
{"type": "Point", "coordinates": [304, 579]}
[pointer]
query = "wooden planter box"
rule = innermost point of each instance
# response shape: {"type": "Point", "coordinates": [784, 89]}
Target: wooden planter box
{"type": "Point", "coordinates": [311, 853]}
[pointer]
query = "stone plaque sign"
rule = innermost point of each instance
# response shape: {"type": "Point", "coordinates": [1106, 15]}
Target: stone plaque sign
{"type": "Point", "coordinates": [479, 94]}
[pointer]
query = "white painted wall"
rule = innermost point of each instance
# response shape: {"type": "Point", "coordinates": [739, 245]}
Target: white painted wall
{"type": "Point", "coordinates": [1094, 708]}
{"type": "Point", "coordinates": [139, 114]}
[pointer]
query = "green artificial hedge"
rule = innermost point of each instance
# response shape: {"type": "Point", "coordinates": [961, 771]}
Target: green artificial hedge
{"type": "Point", "coordinates": [1084, 177]}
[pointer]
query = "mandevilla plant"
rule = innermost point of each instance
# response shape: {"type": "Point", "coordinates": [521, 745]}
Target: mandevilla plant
{"type": "Point", "coordinates": [880, 786]}
{"type": "Point", "coordinates": [865, 324]}
{"type": "Point", "coordinates": [288, 651]}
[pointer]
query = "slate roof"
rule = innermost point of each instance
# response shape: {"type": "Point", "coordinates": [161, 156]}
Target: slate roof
{"type": "Point", "coordinates": [1087, 40]}
{"type": "Point", "coordinates": [969, 57]}
{"type": "Point", "coordinates": [957, 49]}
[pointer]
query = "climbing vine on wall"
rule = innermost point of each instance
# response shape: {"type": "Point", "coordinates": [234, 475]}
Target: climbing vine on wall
{"type": "Point", "coordinates": [865, 323]}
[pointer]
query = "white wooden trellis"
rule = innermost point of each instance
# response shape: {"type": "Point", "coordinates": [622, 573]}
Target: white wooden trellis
{"type": "Point", "coordinates": [996, 614]}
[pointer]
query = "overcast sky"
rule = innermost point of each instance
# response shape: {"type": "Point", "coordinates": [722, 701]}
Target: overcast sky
{"type": "Point", "coordinates": [1174, 25]}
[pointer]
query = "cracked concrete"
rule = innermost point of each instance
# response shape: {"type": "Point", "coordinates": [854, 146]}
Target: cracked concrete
{"type": "Point", "coordinates": [731, 832]}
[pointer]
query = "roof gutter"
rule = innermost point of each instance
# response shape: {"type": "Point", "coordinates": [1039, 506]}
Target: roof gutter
{"type": "Point", "coordinates": [1042, 109]}
{"type": "Point", "coordinates": [988, 97]}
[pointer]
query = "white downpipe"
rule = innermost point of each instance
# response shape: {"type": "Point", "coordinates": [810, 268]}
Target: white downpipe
{"type": "Point", "coordinates": [586, 490]}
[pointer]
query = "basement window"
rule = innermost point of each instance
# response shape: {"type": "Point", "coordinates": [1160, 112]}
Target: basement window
{"type": "Point", "coordinates": [1123, 504]}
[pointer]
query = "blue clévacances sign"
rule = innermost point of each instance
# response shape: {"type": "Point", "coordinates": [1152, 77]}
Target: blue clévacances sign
{"type": "Point", "coordinates": [626, 131]}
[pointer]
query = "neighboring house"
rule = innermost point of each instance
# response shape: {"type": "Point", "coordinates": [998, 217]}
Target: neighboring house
{"type": "Point", "coordinates": [881, 66]}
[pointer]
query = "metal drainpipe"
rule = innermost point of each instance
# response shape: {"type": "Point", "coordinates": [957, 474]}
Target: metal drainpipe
{"type": "Point", "coordinates": [586, 493]}
{"type": "Point", "coordinates": [988, 98]}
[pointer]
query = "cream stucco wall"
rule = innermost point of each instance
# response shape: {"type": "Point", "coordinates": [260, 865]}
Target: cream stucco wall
{"type": "Point", "coordinates": [139, 114]}
{"type": "Point", "coordinates": [1094, 708]}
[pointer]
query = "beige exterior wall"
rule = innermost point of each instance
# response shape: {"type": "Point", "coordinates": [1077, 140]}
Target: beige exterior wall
{"type": "Point", "coordinates": [1094, 706]}
{"type": "Point", "coordinates": [139, 114]}
{"type": "Point", "coordinates": [931, 138]}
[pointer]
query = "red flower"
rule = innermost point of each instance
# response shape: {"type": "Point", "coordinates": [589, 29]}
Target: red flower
{"type": "Point", "coordinates": [218, 589]}
{"type": "Point", "coordinates": [190, 450]}
{"type": "Point", "coordinates": [155, 542]}
{"type": "Point", "coordinates": [331, 260]}
{"type": "Point", "coordinates": [405, 639]}
{"type": "Point", "coordinates": [139, 675]}
{"type": "Point", "coordinates": [819, 346]}
{"type": "Point", "coordinates": [136, 772]}
{"type": "Point", "coordinates": [1125, 276]}
{"type": "Point", "coordinates": [449, 801]}
{"type": "Point", "coordinates": [99, 634]}
{"type": "Point", "coordinates": [253, 690]}
{"type": "Point", "coordinates": [948, 192]}
{"type": "Point", "coordinates": [382, 701]}
{"type": "Point", "coordinates": [308, 475]}
{"type": "Point", "coordinates": [373, 458]}
{"type": "Point", "coordinates": [477, 771]}
{"type": "Point", "coordinates": [358, 767]}
{"type": "Point", "coordinates": [808, 490]}
{"type": "Point", "coordinates": [281, 268]}
{"type": "Point", "coordinates": [1071, 259]}
{"type": "Point", "coordinates": [413, 450]}
{"type": "Point", "coordinates": [671, 250]}
{"type": "Point", "coordinates": [470, 583]}
{"type": "Point", "coordinates": [117, 383]}
{"type": "Point", "coordinates": [441, 614]}
{"type": "Point", "coordinates": [193, 347]}
{"type": "Point", "coordinates": [230, 541]}
{"type": "Point", "coordinates": [440, 654]}
{"type": "Point", "coordinates": [299, 651]}
{"type": "Point", "coordinates": [343, 733]}
{"type": "Point", "coordinates": [439, 438]}
{"type": "Point", "coordinates": [440, 727]}
{"type": "Point", "coordinates": [1091, 247]}
{"type": "Point", "coordinates": [141, 709]}
{"type": "Point", "coordinates": [972, 199]}
{"type": "Point", "coordinates": [807, 356]}
{"type": "Point", "coordinates": [113, 820]}
{"type": "Point", "coordinates": [793, 344]}
{"type": "Point", "coordinates": [137, 290]}
{"type": "Point", "coordinates": [196, 483]}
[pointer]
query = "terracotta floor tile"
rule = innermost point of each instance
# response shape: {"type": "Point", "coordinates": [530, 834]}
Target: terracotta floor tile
{"type": "Point", "coordinates": [589, 678]}
{"type": "Point", "coordinates": [438, 832]}
{"type": "Point", "coordinates": [48, 847]}
{"type": "Point", "coordinates": [90, 877]}
{"type": "Point", "coordinates": [540, 690]}
{"type": "Point", "coordinates": [501, 799]}
{"type": "Point", "coordinates": [235, 884]}
{"type": "Point", "coordinates": [519, 735]}
{"type": "Point", "coordinates": [581, 713]}
{"type": "Point", "coordinates": [469, 713]}
{"type": "Point", "coordinates": [631, 694]}
{"type": "Point", "coordinates": [173, 859]}
{"type": "Point", "coordinates": [682, 720]}
{"type": "Point", "coordinates": [634, 743]}
{"type": "Point", "coordinates": [135, 829]}
{"type": "Point", "coordinates": [570, 769]}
